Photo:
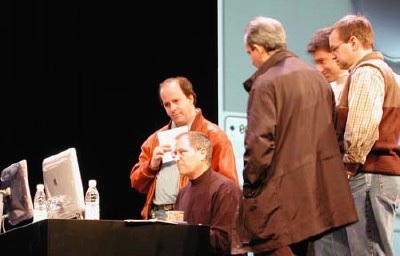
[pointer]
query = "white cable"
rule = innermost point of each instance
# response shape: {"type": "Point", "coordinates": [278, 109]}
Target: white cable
{"type": "Point", "coordinates": [2, 225]}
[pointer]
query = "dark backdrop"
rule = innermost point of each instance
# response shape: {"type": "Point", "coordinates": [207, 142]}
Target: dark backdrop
{"type": "Point", "coordinates": [85, 74]}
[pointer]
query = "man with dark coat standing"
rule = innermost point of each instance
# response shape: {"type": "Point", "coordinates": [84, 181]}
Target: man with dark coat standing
{"type": "Point", "coordinates": [295, 186]}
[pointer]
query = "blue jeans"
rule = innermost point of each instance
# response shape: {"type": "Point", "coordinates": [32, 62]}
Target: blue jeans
{"type": "Point", "coordinates": [376, 198]}
{"type": "Point", "coordinates": [334, 243]}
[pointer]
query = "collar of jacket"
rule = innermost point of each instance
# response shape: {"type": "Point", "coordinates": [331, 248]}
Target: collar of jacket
{"type": "Point", "coordinates": [271, 62]}
{"type": "Point", "coordinates": [369, 56]}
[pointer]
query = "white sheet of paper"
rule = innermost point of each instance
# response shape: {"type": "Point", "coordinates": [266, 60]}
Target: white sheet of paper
{"type": "Point", "coordinates": [168, 137]}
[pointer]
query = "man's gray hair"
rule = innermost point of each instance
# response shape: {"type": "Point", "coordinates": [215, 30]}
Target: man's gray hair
{"type": "Point", "coordinates": [267, 32]}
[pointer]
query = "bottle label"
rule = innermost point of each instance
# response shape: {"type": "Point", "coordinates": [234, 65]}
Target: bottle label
{"type": "Point", "coordinates": [92, 211]}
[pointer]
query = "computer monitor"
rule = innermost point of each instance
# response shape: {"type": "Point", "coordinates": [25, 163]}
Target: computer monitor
{"type": "Point", "coordinates": [16, 194]}
{"type": "Point", "coordinates": [63, 185]}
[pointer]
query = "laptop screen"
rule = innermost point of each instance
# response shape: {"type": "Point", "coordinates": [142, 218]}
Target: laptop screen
{"type": "Point", "coordinates": [18, 205]}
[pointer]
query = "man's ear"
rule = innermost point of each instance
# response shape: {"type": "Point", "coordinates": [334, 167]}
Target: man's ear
{"type": "Point", "coordinates": [354, 42]}
{"type": "Point", "coordinates": [191, 98]}
{"type": "Point", "coordinates": [203, 153]}
{"type": "Point", "coordinates": [259, 48]}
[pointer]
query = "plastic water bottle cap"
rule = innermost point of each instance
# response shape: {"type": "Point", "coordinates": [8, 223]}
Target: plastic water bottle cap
{"type": "Point", "coordinates": [39, 186]}
{"type": "Point", "coordinates": [92, 183]}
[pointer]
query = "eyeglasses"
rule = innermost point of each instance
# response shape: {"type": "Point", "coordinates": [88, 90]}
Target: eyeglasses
{"type": "Point", "coordinates": [335, 48]}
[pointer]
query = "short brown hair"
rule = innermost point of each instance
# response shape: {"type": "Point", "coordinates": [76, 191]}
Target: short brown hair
{"type": "Point", "coordinates": [355, 25]}
{"type": "Point", "coordinates": [185, 85]}
{"type": "Point", "coordinates": [320, 41]}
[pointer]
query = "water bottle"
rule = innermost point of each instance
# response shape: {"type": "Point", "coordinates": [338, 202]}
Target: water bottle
{"type": "Point", "coordinates": [92, 202]}
{"type": "Point", "coordinates": [39, 204]}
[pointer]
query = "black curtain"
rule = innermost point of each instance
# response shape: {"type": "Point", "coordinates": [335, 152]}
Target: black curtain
{"type": "Point", "coordinates": [85, 74]}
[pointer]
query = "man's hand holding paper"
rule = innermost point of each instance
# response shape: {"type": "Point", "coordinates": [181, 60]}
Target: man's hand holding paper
{"type": "Point", "coordinates": [167, 138]}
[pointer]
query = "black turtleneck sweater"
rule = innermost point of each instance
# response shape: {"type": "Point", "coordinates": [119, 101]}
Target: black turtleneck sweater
{"type": "Point", "coordinates": [212, 200]}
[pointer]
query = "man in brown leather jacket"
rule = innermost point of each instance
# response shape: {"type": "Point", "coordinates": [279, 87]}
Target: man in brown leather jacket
{"type": "Point", "coordinates": [159, 180]}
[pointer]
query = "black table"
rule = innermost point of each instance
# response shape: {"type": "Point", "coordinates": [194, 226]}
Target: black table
{"type": "Point", "coordinates": [71, 237]}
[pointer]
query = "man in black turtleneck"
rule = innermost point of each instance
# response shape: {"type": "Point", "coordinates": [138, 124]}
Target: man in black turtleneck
{"type": "Point", "coordinates": [209, 198]}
